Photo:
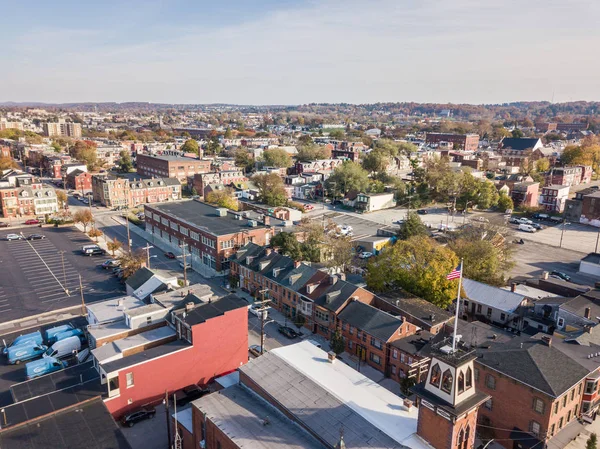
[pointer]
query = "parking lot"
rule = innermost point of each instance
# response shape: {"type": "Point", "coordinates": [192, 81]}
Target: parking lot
{"type": "Point", "coordinates": [38, 276]}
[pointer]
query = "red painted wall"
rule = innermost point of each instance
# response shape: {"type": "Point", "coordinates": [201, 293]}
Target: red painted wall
{"type": "Point", "coordinates": [220, 346]}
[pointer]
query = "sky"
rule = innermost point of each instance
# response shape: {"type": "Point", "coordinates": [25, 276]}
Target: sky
{"type": "Point", "coordinates": [300, 51]}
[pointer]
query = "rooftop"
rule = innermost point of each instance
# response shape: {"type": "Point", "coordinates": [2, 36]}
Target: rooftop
{"type": "Point", "coordinates": [112, 309]}
{"type": "Point", "coordinates": [239, 414]}
{"type": "Point", "coordinates": [172, 158]}
{"type": "Point", "coordinates": [375, 322]}
{"type": "Point", "coordinates": [139, 278]}
{"type": "Point", "coordinates": [492, 296]}
{"type": "Point", "coordinates": [86, 425]}
{"type": "Point", "coordinates": [204, 217]}
{"type": "Point", "coordinates": [592, 258]}
{"type": "Point", "coordinates": [115, 349]}
{"type": "Point", "coordinates": [148, 354]}
{"type": "Point", "coordinates": [416, 307]}
{"type": "Point", "coordinates": [176, 299]}
{"type": "Point", "coordinates": [206, 311]}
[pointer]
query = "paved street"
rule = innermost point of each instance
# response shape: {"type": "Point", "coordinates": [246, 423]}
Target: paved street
{"type": "Point", "coordinates": [34, 280]}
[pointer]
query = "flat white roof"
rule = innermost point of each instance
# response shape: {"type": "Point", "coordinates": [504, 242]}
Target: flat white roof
{"type": "Point", "coordinates": [380, 407]}
{"type": "Point", "coordinates": [109, 310]}
{"type": "Point", "coordinates": [114, 350]}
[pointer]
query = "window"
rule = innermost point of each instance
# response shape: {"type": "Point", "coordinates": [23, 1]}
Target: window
{"type": "Point", "coordinates": [394, 353]}
{"type": "Point", "coordinates": [227, 244]}
{"type": "Point", "coordinates": [502, 316]}
{"type": "Point", "coordinates": [194, 235]}
{"type": "Point", "coordinates": [468, 381]}
{"type": "Point", "coordinates": [589, 387]}
{"type": "Point", "coordinates": [349, 344]}
{"type": "Point", "coordinates": [569, 416]}
{"type": "Point", "coordinates": [564, 404]}
{"type": "Point", "coordinates": [183, 230]}
{"type": "Point", "coordinates": [534, 427]}
{"type": "Point", "coordinates": [539, 406]}
{"type": "Point", "coordinates": [575, 410]}
{"type": "Point", "coordinates": [572, 394]}
{"type": "Point", "coordinates": [461, 382]}
{"type": "Point", "coordinates": [323, 316]}
{"type": "Point", "coordinates": [436, 374]}
{"type": "Point", "coordinates": [476, 374]}
{"type": "Point", "coordinates": [579, 389]}
{"type": "Point", "coordinates": [489, 312]}
{"type": "Point", "coordinates": [552, 429]}
{"type": "Point", "coordinates": [402, 357]}
{"type": "Point", "coordinates": [129, 377]}
{"type": "Point", "coordinates": [488, 404]}
{"type": "Point", "coordinates": [561, 322]}
{"type": "Point", "coordinates": [375, 359]}
{"type": "Point", "coordinates": [478, 308]}
{"type": "Point", "coordinates": [490, 382]}
{"type": "Point", "coordinates": [447, 381]}
{"type": "Point", "coordinates": [556, 407]}
{"type": "Point", "coordinates": [376, 343]}
{"type": "Point", "coordinates": [560, 423]}
{"type": "Point", "coordinates": [351, 331]}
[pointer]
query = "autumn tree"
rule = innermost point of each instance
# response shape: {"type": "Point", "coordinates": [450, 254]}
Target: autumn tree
{"type": "Point", "coordinates": [337, 134]}
{"type": "Point", "coordinates": [505, 202]}
{"type": "Point", "coordinates": [277, 157]}
{"type": "Point", "coordinates": [419, 265]}
{"type": "Point", "coordinates": [113, 246]}
{"type": "Point", "coordinates": [270, 189]}
{"type": "Point", "coordinates": [313, 238]}
{"type": "Point", "coordinates": [84, 217]}
{"type": "Point", "coordinates": [312, 152]}
{"type": "Point", "coordinates": [190, 146]}
{"type": "Point", "coordinates": [376, 161]}
{"type": "Point", "coordinates": [62, 198]}
{"type": "Point", "coordinates": [131, 262]}
{"type": "Point", "coordinates": [337, 251]}
{"type": "Point", "coordinates": [7, 163]}
{"type": "Point", "coordinates": [223, 198]}
{"type": "Point", "coordinates": [85, 151]}
{"type": "Point", "coordinates": [95, 233]}
{"type": "Point", "coordinates": [243, 159]}
{"type": "Point", "coordinates": [348, 176]}
{"type": "Point", "coordinates": [542, 165]}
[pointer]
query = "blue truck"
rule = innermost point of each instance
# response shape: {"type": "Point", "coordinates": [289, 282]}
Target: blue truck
{"type": "Point", "coordinates": [27, 350]}
{"type": "Point", "coordinates": [35, 337]}
{"type": "Point", "coordinates": [44, 366]}
{"type": "Point", "coordinates": [52, 333]}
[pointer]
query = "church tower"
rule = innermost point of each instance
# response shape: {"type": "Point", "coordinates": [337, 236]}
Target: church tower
{"type": "Point", "coordinates": [448, 401]}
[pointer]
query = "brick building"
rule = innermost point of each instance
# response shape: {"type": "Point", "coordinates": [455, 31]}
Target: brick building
{"type": "Point", "coordinates": [570, 176]}
{"type": "Point", "coordinates": [79, 180]}
{"type": "Point", "coordinates": [467, 142]}
{"type": "Point", "coordinates": [525, 194]}
{"type": "Point", "coordinates": [226, 177]}
{"type": "Point", "coordinates": [111, 191]}
{"type": "Point", "coordinates": [211, 234]}
{"type": "Point", "coordinates": [590, 206]}
{"type": "Point", "coordinates": [324, 166]}
{"type": "Point", "coordinates": [62, 128]}
{"type": "Point", "coordinates": [27, 198]}
{"type": "Point", "coordinates": [178, 167]}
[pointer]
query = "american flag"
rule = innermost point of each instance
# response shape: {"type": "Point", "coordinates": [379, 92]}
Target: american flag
{"type": "Point", "coordinates": [454, 274]}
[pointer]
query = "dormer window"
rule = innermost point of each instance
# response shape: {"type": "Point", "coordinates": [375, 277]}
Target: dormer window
{"type": "Point", "coordinates": [461, 382]}
{"type": "Point", "coordinates": [436, 374]}
{"type": "Point", "coordinates": [468, 378]}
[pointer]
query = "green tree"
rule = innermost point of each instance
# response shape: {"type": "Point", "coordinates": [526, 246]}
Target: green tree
{"type": "Point", "coordinates": [505, 202]}
{"type": "Point", "coordinates": [419, 265]}
{"type": "Point", "coordinates": [277, 157]}
{"type": "Point", "coordinates": [243, 159]}
{"type": "Point", "coordinates": [337, 343]}
{"type": "Point", "coordinates": [517, 133]}
{"type": "Point", "coordinates": [223, 198]}
{"type": "Point", "coordinates": [348, 176]}
{"type": "Point", "coordinates": [592, 442]}
{"type": "Point", "coordinates": [61, 197]}
{"type": "Point", "coordinates": [56, 146]}
{"type": "Point", "coordinates": [412, 226]}
{"type": "Point", "coordinates": [125, 163]}
{"type": "Point", "coordinates": [337, 251]}
{"type": "Point", "coordinates": [85, 151]}
{"type": "Point", "coordinates": [190, 146]}
{"type": "Point", "coordinates": [542, 165]}
{"type": "Point", "coordinates": [299, 320]}
{"type": "Point", "coordinates": [376, 161]}
{"type": "Point", "coordinates": [7, 163]}
{"type": "Point", "coordinates": [270, 189]}
{"type": "Point", "coordinates": [228, 133]}
{"type": "Point", "coordinates": [287, 244]}
{"type": "Point", "coordinates": [406, 383]}
{"type": "Point", "coordinates": [337, 134]}
{"type": "Point", "coordinates": [483, 261]}
{"type": "Point", "coordinates": [213, 146]}
{"type": "Point", "coordinates": [311, 152]}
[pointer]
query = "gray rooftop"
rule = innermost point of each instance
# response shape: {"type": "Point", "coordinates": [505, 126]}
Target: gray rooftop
{"type": "Point", "coordinates": [492, 296]}
{"type": "Point", "coordinates": [374, 322]}
{"type": "Point", "coordinates": [239, 414]}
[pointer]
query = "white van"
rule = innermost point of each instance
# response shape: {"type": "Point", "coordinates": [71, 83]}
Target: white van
{"type": "Point", "coordinates": [526, 228]}
{"type": "Point", "coordinates": [64, 348]}
{"type": "Point", "coordinates": [87, 249]}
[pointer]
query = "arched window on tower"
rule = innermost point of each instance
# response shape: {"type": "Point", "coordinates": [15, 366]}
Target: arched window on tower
{"type": "Point", "coordinates": [466, 440]}
{"type": "Point", "coordinates": [447, 381]}
{"type": "Point", "coordinates": [436, 374]}
{"type": "Point", "coordinates": [461, 382]}
{"type": "Point", "coordinates": [469, 378]}
{"type": "Point", "coordinates": [460, 440]}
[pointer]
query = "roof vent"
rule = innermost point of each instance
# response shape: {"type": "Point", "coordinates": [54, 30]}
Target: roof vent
{"type": "Point", "coordinates": [221, 212]}
{"type": "Point", "coordinates": [189, 306]}
{"type": "Point", "coordinates": [252, 223]}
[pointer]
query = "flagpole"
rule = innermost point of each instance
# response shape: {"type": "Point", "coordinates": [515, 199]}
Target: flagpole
{"type": "Point", "coordinates": [457, 307]}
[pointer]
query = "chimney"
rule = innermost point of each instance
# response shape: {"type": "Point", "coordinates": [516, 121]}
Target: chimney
{"type": "Point", "coordinates": [588, 313]}
{"type": "Point", "coordinates": [342, 276]}
{"type": "Point", "coordinates": [408, 404]}
{"type": "Point", "coordinates": [513, 287]}
{"type": "Point", "coordinates": [331, 356]}
{"type": "Point", "coordinates": [547, 339]}
{"type": "Point", "coordinates": [297, 263]}
{"type": "Point", "coordinates": [587, 329]}
{"type": "Point", "coordinates": [268, 251]}
{"type": "Point", "coordinates": [545, 275]}
{"type": "Point", "coordinates": [189, 306]}
{"type": "Point", "coordinates": [332, 279]}
{"type": "Point", "coordinates": [267, 220]}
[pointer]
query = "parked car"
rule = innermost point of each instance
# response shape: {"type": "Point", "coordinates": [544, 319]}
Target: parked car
{"type": "Point", "coordinates": [514, 220]}
{"type": "Point", "coordinates": [32, 221]}
{"type": "Point", "coordinates": [308, 207]}
{"type": "Point", "coordinates": [27, 350]}
{"type": "Point", "coordinates": [43, 366]}
{"type": "Point", "coordinates": [64, 348]}
{"type": "Point", "coordinates": [138, 415]}
{"type": "Point", "coordinates": [541, 216]}
{"type": "Point", "coordinates": [255, 309]}
{"type": "Point", "coordinates": [170, 255]}
{"type": "Point", "coordinates": [3, 225]}
{"type": "Point", "coordinates": [399, 222]}
{"type": "Point", "coordinates": [14, 237]}
{"type": "Point", "coordinates": [186, 266]}
{"type": "Point", "coordinates": [110, 263]}
{"type": "Point", "coordinates": [189, 394]}
{"type": "Point", "coordinates": [51, 333]}
{"type": "Point", "coordinates": [96, 252]}
{"type": "Point", "coordinates": [526, 228]}
{"type": "Point", "coordinates": [561, 275]}
{"type": "Point", "coordinates": [524, 220]}
{"type": "Point", "coordinates": [345, 230]}
{"type": "Point", "coordinates": [537, 226]}
{"type": "Point", "coordinates": [422, 211]}
{"type": "Point", "coordinates": [255, 350]}
{"type": "Point", "coordinates": [36, 237]}
{"type": "Point", "coordinates": [287, 331]}
{"type": "Point", "coordinates": [36, 337]}
{"type": "Point", "coordinates": [365, 255]}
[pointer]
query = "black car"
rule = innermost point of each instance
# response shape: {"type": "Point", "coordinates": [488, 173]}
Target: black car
{"type": "Point", "coordinates": [36, 237]}
{"type": "Point", "coordinates": [3, 225]}
{"type": "Point", "coordinates": [138, 415]}
{"type": "Point", "coordinates": [422, 212]}
{"type": "Point", "coordinates": [189, 394]}
{"type": "Point", "coordinates": [287, 331]}
{"type": "Point", "coordinates": [561, 275]}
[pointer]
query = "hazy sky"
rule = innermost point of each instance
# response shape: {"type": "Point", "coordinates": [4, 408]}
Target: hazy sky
{"type": "Point", "coordinates": [295, 51]}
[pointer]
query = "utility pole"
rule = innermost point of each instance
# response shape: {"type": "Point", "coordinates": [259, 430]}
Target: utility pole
{"type": "Point", "coordinates": [166, 402]}
{"type": "Point", "coordinates": [597, 238]}
{"type": "Point", "coordinates": [82, 299]}
{"type": "Point", "coordinates": [562, 232]}
{"type": "Point", "coordinates": [148, 248]}
{"type": "Point", "coordinates": [262, 311]}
